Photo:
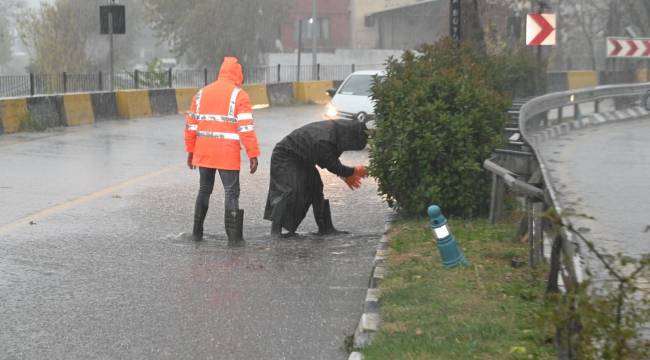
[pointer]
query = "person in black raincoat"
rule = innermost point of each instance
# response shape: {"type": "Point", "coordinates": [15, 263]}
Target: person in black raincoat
{"type": "Point", "coordinates": [295, 182]}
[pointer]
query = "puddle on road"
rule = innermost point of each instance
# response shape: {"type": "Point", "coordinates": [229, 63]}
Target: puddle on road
{"type": "Point", "coordinates": [335, 244]}
{"type": "Point", "coordinates": [211, 241]}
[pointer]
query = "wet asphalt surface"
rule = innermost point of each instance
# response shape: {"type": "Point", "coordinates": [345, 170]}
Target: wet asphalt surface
{"type": "Point", "coordinates": [603, 172]}
{"type": "Point", "coordinates": [92, 265]}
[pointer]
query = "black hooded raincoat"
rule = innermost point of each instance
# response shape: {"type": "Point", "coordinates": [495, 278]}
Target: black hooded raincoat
{"type": "Point", "coordinates": [295, 181]}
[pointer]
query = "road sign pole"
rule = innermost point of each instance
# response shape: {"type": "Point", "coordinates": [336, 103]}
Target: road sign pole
{"type": "Point", "coordinates": [538, 78]}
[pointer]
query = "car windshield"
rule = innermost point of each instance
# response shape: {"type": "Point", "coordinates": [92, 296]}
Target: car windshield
{"type": "Point", "coordinates": [357, 85]}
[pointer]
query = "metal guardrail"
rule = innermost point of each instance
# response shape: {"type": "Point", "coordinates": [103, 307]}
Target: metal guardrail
{"type": "Point", "coordinates": [536, 185]}
{"type": "Point", "coordinates": [534, 117]}
{"type": "Point", "coordinates": [45, 84]}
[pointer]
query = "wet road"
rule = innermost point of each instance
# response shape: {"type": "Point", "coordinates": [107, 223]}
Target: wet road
{"type": "Point", "coordinates": [603, 172]}
{"type": "Point", "coordinates": [92, 268]}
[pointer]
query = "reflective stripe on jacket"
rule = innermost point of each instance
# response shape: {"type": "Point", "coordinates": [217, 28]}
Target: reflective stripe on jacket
{"type": "Point", "coordinates": [220, 121]}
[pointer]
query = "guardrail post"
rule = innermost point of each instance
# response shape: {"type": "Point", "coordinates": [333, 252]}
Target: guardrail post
{"type": "Point", "coordinates": [169, 77]}
{"type": "Point", "coordinates": [534, 210]}
{"type": "Point", "coordinates": [99, 82]}
{"type": "Point", "coordinates": [279, 72]}
{"type": "Point", "coordinates": [136, 78]}
{"type": "Point", "coordinates": [537, 235]}
{"type": "Point", "coordinates": [529, 226]}
{"type": "Point", "coordinates": [496, 198]}
{"type": "Point", "coordinates": [65, 82]}
{"type": "Point", "coordinates": [205, 76]}
{"type": "Point", "coordinates": [555, 264]}
{"type": "Point", "coordinates": [31, 84]}
{"type": "Point", "coordinates": [597, 106]}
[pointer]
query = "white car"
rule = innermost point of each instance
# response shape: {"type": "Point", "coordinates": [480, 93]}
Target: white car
{"type": "Point", "coordinates": [352, 99]}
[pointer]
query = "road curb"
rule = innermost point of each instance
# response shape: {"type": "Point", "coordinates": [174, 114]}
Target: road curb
{"type": "Point", "coordinates": [590, 121]}
{"type": "Point", "coordinates": [371, 318]}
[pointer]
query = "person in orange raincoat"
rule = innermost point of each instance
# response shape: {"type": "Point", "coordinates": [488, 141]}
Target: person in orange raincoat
{"type": "Point", "coordinates": [219, 122]}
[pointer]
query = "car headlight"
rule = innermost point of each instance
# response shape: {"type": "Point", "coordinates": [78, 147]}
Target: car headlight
{"type": "Point", "coordinates": [330, 111]}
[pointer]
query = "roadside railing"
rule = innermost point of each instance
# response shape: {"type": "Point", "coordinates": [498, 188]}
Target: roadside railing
{"type": "Point", "coordinates": [45, 84]}
{"type": "Point", "coordinates": [524, 170]}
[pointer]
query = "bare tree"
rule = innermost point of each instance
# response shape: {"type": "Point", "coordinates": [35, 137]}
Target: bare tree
{"type": "Point", "coordinates": [9, 9]}
{"type": "Point", "coordinates": [206, 30]}
{"type": "Point", "coordinates": [64, 36]}
{"type": "Point", "coordinates": [54, 37]}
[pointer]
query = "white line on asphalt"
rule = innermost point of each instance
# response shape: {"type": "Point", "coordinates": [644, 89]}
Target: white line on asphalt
{"type": "Point", "coordinates": [83, 199]}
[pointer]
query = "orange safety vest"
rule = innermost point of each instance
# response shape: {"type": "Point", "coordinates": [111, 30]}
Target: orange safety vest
{"type": "Point", "coordinates": [220, 120]}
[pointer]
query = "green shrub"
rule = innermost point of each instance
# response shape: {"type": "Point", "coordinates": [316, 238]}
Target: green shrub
{"type": "Point", "coordinates": [440, 114]}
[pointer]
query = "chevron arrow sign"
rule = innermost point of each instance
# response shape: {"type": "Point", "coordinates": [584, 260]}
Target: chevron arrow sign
{"type": "Point", "coordinates": [628, 48]}
{"type": "Point", "coordinates": [540, 29]}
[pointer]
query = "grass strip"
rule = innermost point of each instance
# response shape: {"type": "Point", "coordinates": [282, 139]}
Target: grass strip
{"type": "Point", "coordinates": [488, 310]}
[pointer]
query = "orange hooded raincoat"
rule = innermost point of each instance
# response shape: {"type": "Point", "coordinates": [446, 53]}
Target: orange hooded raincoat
{"type": "Point", "coordinates": [220, 120]}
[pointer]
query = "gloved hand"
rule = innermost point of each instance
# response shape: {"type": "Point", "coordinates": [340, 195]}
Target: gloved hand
{"type": "Point", "coordinates": [353, 182]}
{"type": "Point", "coordinates": [361, 171]}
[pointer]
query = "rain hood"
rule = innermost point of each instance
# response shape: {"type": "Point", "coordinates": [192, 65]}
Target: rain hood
{"type": "Point", "coordinates": [350, 135]}
{"type": "Point", "coordinates": [231, 71]}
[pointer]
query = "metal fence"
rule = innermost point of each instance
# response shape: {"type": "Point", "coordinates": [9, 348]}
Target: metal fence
{"type": "Point", "coordinates": [44, 84]}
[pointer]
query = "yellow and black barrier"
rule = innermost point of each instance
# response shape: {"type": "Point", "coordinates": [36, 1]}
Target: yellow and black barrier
{"type": "Point", "coordinates": [258, 94]}
{"type": "Point", "coordinates": [133, 104]}
{"type": "Point", "coordinates": [184, 98]}
{"type": "Point", "coordinates": [582, 79]}
{"type": "Point", "coordinates": [312, 92]}
{"type": "Point", "coordinates": [87, 108]}
{"type": "Point", "coordinates": [78, 109]}
{"type": "Point", "coordinates": [12, 113]}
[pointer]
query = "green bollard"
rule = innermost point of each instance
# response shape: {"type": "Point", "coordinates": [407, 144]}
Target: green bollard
{"type": "Point", "coordinates": [450, 253]}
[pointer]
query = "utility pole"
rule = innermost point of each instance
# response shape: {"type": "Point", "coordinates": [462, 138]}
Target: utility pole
{"type": "Point", "coordinates": [314, 40]}
{"type": "Point", "coordinates": [454, 21]}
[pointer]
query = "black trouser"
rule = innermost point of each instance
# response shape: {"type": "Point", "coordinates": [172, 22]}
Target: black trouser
{"type": "Point", "coordinates": [230, 181]}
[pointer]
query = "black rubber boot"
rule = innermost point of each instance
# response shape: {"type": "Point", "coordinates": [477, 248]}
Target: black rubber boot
{"type": "Point", "coordinates": [276, 230]}
{"type": "Point", "coordinates": [239, 230]}
{"type": "Point", "coordinates": [199, 217]}
{"type": "Point", "coordinates": [197, 232]}
{"type": "Point", "coordinates": [234, 224]}
{"type": "Point", "coordinates": [324, 218]}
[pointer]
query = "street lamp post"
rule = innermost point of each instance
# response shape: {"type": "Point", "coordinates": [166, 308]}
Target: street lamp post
{"type": "Point", "coordinates": [299, 49]}
{"type": "Point", "coordinates": [110, 46]}
{"type": "Point", "coordinates": [314, 40]}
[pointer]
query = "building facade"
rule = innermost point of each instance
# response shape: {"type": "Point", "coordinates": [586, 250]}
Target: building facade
{"type": "Point", "coordinates": [332, 27]}
{"type": "Point", "coordinates": [365, 24]}
{"type": "Point", "coordinates": [363, 36]}
{"type": "Point", "coordinates": [409, 26]}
